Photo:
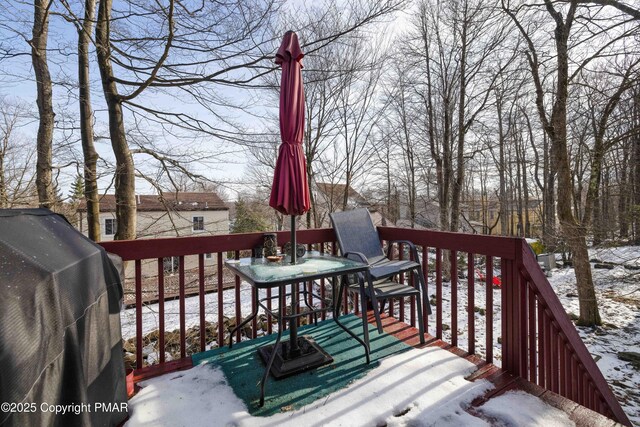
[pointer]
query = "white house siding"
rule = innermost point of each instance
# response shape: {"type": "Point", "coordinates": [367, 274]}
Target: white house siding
{"type": "Point", "coordinates": [156, 224]}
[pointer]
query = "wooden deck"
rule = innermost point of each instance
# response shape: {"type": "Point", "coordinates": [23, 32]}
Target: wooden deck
{"type": "Point", "coordinates": [538, 341]}
{"type": "Point", "coordinates": [502, 381]}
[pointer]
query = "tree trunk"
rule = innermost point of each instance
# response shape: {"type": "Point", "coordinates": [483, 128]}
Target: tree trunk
{"type": "Point", "coordinates": [623, 191]}
{"type": "Point", "coordinates": [549, 236]}
{"type": "Point", "coordinates": [44, 184]}
{"type": "Point", "coordinates": [573, 232]}
{"type": "Point", "coordinates": [125, 172]}
{"type": "Point", "coordinates": [502, 179]}
{"type": "Point", "coordinates": [634, 174]}
{"type": "Point", "coordinates": [456, 189]}
{"type": "Point", "coordinates": [86, 123]}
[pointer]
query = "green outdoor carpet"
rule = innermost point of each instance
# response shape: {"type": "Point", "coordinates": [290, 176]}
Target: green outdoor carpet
{"type": "Point", "coordinates": [243, 367]}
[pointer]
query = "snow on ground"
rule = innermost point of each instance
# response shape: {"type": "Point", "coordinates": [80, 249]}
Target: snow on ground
{"type": "Point", "coordinates": [626, 255]}
{"type": "Point", "coordinates": [151, 319]}
{"type": "Point", "coordinates": [618, 292]}
{"type": "Point", "coordinates": [420, 387]}
{"type": "Point", "coordinates": [500, 411]}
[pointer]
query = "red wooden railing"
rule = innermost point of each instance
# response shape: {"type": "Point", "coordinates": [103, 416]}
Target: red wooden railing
{"type": "Point", "coordinates": [538, 341]}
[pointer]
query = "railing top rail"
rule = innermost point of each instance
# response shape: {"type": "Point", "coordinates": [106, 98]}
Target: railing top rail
{"type": "Point", "coordinates": [497, 246]}
{"type": "Point", "coordinates": [531, 271]}
{"type": "Point", "coordinates": [130, 250]}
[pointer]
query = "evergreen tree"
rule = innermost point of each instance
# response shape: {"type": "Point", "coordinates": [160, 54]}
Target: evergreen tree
{"type": "Point", "coordinates": [77, 190]}
{"type": "Point", "coordinates": [248, 219]}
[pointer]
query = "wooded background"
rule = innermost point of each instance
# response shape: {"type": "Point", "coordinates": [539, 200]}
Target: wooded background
{"type": "Point", "coordinates": [444, 114]}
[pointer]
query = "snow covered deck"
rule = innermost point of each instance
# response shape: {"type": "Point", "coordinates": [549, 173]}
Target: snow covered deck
{"type": "Point", "coordinates": [433, 384]}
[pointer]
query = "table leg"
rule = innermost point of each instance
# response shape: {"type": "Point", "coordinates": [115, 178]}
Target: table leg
{"type": "Point", "coordinates": [265, 376]}
{"type": "Point", "coordinates": [336, 314]}
{"type": "Point", "coordinates": [254, 295]}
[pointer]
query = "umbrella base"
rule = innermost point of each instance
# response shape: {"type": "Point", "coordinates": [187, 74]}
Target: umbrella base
{"type": "Point", "coordinates": [310, 355]}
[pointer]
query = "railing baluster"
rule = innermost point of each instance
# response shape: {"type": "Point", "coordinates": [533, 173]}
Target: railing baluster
{"type": "Point", "coordinates": [547, 351]}
{"type": "Point", "coordinates": [471, 304]}
{"type": "Point", "coordinates": [533, 363]}
{"type": "Point", "coordinates": [269, 319]}
{"type": "Point", "coordinates": [598, 403]}
{"type": "Point", "coordinates": [554, 358]}
{"type": "Point", "coordinates": [562, 385]}
{"type": "Point", "coordinates": [183, 327]}
{"type": "Point", "coordinates": [412, 299]}
{"type": "Point", "coordinates": [201, 295]}
{"type": "Point", "coordinates": [390, 300]}
{"type": "Point", "coordinates": [541, 340]}
{"type": "Point", "coordinates": [282, 304]}
{"type": "Point", "coordinates": [254, 321]}
{"type": "Point", "coordinates": [567, 369]}
{"type": "Point", "coordinates": [138, 268]}
{"type": "Point", "coordinates": [574, 378]}
{"type": "Point", "coordinates": [323, 291]}
{"type": "Point", "coordinates": [489, 307]}
{"type": "Point", "coordinates": [238, 307]}
{"type": "Point", "coordinates": [523, 325]}
{"type": "Point", "coordinates": [454, 297]}
{"type": "Point", "coordinates": [220, 302]}
{"type": "Point", "coordinates": [401, 300]}
{"type": "Point", "coordinates": [581, 384]}
{"type": "Point", "coordinates": [439, 293]}
{"type": "Point", "coordinates": [310, 299]}
{"type": "Point", "coordinates": [507, 315]}
{"type": "Point", "coordinates": [161, 346]}
{"type": "Point", "coordinates": [425, 270]}
{"type": "Point", "coordinates": [509, 319]}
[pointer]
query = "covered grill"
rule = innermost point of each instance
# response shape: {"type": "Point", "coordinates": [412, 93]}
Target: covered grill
{"type": "Point", "coordinates": [60, 339]}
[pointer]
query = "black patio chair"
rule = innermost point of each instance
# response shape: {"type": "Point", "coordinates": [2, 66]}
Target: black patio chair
{"type": "Point", "coordinates": [358, 240]}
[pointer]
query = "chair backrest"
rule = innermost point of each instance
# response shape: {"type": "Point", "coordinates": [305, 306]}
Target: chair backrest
{"type": "Point", "coordinates": [356, 233]}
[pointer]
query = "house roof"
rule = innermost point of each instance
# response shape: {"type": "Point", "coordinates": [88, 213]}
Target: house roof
{"type": "Point", "coordinates": [335, 192]}
{"type": "Point", "coordinates": [181, 201]}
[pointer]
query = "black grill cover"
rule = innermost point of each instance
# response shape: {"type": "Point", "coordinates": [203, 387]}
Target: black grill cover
{"type": "Point", "coordinates": [60, 338]}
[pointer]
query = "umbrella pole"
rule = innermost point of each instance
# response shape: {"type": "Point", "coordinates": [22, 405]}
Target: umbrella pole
{"type": "Point", "coordinates": [293, 240]}
{"type": "Point", "coordinates": [293, 328]}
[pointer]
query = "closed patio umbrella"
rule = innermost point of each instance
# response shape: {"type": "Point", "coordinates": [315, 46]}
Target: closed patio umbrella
{"type": "Point", "coordinates": [290, 190]}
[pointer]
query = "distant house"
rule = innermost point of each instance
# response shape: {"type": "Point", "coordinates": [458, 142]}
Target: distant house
{"type": "Point", "coordinates": [169, 215]}
{"type": "Point", "coordinates": [329, 198]}
{"type": "Point", "coordinates": [483, 216]}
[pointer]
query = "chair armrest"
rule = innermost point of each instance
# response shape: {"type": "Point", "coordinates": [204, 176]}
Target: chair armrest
{"type": "Point", "coordinates": [362, 277]}
{"type": "Point", "coordinates": [361, 257]}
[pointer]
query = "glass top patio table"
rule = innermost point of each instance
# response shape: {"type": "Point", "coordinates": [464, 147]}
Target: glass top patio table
{"type": "Point", "coordinates": [299, 353]}
{"type": "Point", "coordinates": [262, 273]}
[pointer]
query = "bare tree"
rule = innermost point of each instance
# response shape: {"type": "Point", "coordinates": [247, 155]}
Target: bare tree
{"type": "Point", "coordinates": [569, 26]}
{"type": "Point", "coordinates": [17, 174]}
{"type": "Point", "coordinates": [84, 28]}
{"type": "Point", "coordinates": [46, 193]}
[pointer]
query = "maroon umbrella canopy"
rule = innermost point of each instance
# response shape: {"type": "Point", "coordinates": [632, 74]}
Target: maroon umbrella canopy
{"type": "Point", "coordinates": [290, 191]}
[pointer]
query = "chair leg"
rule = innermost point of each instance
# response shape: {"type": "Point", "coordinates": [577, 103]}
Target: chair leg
{"type": "Point", "coordinates": [365, 323]}
{"type": "Point", "coordinates": [423, 290]}
{"type": "Point", "coordinates": [376, 313]}
{"type": "Point", "coordinates": [374, 300]}
{"type": "Point", "coordinates": [420, 320]}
